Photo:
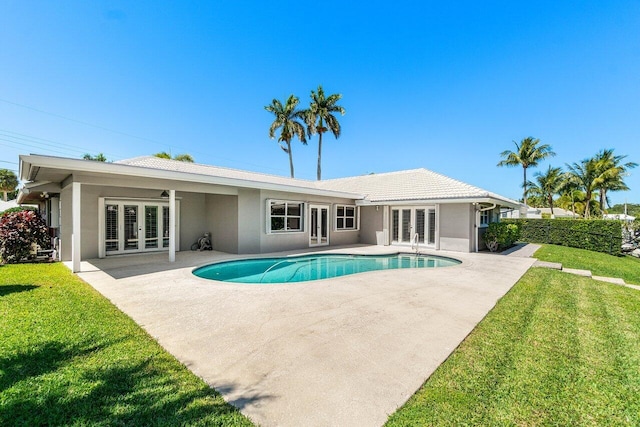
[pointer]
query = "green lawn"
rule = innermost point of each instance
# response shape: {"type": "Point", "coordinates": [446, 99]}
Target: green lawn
{"type": "Point", "coordinates": [557, 350]}
{"type": "Point", "coordinates": [69, 357]}
{"type": "Point", "coordinates": [600, 264]}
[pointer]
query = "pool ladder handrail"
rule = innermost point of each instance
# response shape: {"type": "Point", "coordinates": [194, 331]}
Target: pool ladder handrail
{"type": "Point", "coordinates": [415, 243]}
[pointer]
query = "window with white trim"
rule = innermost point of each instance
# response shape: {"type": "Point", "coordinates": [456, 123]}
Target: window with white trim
{"type": "Point", "coordinates": [346, 217]}
{"type": "Point", "coordinates": [284, 216]}
{"type": "Point", "coordinates": [484, 218]}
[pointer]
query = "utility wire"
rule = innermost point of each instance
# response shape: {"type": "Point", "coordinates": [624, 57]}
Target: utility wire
{"type": "Point", "coordinates": [79, 121]}
{"type": "Point", "coordinates": [279, 170]}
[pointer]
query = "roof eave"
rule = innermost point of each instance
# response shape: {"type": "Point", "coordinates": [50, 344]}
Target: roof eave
{"type": "Point", "coordinates": [28, 172]}
{"type": "Point", "coordinates": [410, 202]}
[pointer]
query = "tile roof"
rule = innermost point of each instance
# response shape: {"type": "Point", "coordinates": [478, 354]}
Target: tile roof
{"type": "Point", "coordinates": [407, 185]}
{"type": "Point", "coordinates": [153, 162]}
{"type": "Point", "coordinates": [415, 184]}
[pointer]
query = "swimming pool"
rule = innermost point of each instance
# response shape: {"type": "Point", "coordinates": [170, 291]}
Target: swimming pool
{"type": "Point", "coordinates": [313, 267]}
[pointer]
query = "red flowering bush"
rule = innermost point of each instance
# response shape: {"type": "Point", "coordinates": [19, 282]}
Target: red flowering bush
{"type": "Point", "coordinates": [18, 232]}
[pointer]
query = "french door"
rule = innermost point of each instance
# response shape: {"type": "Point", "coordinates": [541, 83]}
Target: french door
{"type": "Point", "coordinates": [410, 222]}
{"type": "Point", "coordinates": [318, 225]}
{"type": "Point", "coordinates": [136, 226]}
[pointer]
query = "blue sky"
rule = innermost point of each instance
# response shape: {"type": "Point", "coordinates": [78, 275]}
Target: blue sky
{"type": "Point", "coordinates": [442, 85]}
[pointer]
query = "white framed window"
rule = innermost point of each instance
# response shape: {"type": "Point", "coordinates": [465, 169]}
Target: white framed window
{"type": "Point", "coordinates": [346, 217]}
{"type": "Point", "coordinates": [484, 218]}
{"type": "Point", "coordinates": [285, 216]}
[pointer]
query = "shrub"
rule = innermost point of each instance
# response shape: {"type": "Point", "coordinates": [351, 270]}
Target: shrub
{"type": "Point", "coordinates": [500, 235]}
{"type": "Point", "coordinates": [18, 209]}
{"type": "Point", "coordinates": [19, 231]}
{"type": "Point", "coordinates": [591, 234]}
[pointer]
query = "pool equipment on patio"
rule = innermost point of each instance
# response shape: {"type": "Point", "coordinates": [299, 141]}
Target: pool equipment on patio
{"type": "Point", "coordinates": [203, 243]}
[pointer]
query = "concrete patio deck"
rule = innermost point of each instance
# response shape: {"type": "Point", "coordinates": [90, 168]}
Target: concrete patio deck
{"type": "Point", "coordinates": [339, 352]}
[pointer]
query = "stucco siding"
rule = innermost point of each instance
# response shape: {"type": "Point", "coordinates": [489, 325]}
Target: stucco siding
{"type": "Point", "coordinates": [456, 224]}
{"type": "Point", "coordinates": [222, 221]}
{"type": "Point", "coordinates": [191, 220]}
{"type": "Point", "coordinates": [300, 240]}
{"type": "Point", "coordinates": [65, 224]}
{"type": "Point", "coordinates": [371, 222]}
{"type": "Point", "coordinates": [250, 221]}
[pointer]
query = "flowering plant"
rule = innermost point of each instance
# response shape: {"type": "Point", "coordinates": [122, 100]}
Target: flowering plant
{"type": "Point", "coordinates": [19, 232]}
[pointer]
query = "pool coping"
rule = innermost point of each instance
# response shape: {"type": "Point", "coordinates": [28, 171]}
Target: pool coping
{"type": "Point", "coordinates": [321, 254]}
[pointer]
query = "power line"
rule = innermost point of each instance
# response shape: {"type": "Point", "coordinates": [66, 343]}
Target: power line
{"type": "Point", "coordinates": [78, 121]}
{"type": "Point", "coordinates": [24, 140]}
{"type": "Point", "coordinates": [279, 170]}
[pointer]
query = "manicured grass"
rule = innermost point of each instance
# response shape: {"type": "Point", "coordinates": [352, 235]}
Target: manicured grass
{"type": "Point", "coordinates": [600, 264]}
{"type": "Point", "coordinates": [69, 357]}
{"type": "Point", "coordinates": [558, 349]}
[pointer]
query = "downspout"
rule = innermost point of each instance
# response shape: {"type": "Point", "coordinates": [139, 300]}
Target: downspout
{"type": "Point", "coordinates": [488, 208]}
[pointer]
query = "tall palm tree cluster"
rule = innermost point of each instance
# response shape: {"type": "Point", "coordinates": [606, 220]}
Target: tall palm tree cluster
{"type": "Point", "coordinates": [302, 123]}
{"type": "Point", "coordinates": [576, 187]}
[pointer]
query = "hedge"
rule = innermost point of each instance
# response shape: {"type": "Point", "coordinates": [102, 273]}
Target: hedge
{"type": "Point", "coordinates": [592, 234]}
{"type": "Point", "coordinates": [500, 236]}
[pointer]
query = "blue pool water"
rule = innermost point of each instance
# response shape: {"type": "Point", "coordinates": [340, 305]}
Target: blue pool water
{"type": "Point", "coordinates": [313, 267]}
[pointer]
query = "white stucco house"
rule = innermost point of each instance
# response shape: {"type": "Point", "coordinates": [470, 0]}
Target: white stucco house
{"type": "Point", "coordinates": [149, 204]}
{"type": "Point", "coordinates": [619, 217]}
{"type": "Point", "coordinates": [531, 212]}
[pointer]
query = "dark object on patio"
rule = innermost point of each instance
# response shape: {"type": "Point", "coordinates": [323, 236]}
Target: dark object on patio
{"type": "Point", "coordinates": [203, 243]}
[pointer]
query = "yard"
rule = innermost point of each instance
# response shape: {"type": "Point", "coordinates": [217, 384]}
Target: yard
{"type": "Point", "coordinates": [69, 357]}
{"type": "Point", "coordinates": [558, 349]}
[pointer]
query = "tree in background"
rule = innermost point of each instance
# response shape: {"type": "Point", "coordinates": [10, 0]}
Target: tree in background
{"type": "Point", "coordinates": [320, 118]}
{"type": "Point", "coordinates": [287, 117]}
{"type": "Point", "coordinates": [98, 157]}
{"type": "Point", "coordinates": [8, 182]}
{"type": "Point", "coordinates": [585, 175]}
{"type": "Point", "coordinates": [547, 185]}
{"type": "Point", "coordinates": [611, 174]}
{"type": "Point", "coordinates": [179, 157]}
{"type": "Point", "coordinates": [632, 209]}
{"type": "Point", "coordinates": [528, 153]}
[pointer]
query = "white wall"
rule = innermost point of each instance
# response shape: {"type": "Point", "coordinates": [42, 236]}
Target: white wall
{"type": "Point", "coordinates": [457, 227]}
{"type": "Point", "coordinates": [222, 220]}
{"type": "Point", "coordinates": [371, 222]}
{"type": "Point", "coordinates": [250, 221]}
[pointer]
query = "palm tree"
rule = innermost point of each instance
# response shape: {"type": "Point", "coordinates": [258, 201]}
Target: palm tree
{"type": "Point", "coordinates": [585, 175]}
{"type": "Point", "coordinates": [180, 157]}
{"type": "Point", "coordinates": [319, 114]}
{"type": "Point", "coordinates": [528, 153]}
{"type": "Point", "coordinates": [98, 157]}
{"type": "Point", "coordinates": [547, 185]}
{"type": "Point", "coordinates": [183, 158]}
{"type": "Point", "coordinates": [612, 172]}
{"type": "Point", "coordinates": [287, 118]}
{"type": "Point", "coordinates": [8, 182]}
{"type": "Point", "coordinates": [574, 201]}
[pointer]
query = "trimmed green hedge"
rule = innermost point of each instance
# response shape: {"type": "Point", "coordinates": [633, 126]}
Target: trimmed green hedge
{"type": "Point", "coordinates": [591, 234]}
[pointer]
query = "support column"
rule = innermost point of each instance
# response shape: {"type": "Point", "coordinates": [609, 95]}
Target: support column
{"type": "Point", "coordinates": [76, 252]}
{"type": "Point", "coordinates": [172, 225]}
